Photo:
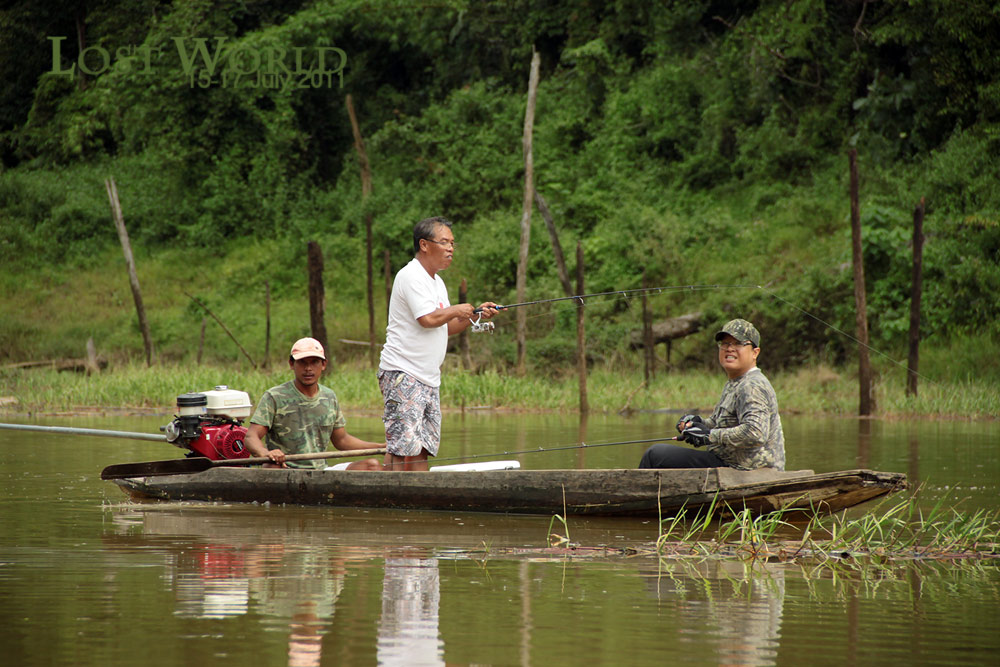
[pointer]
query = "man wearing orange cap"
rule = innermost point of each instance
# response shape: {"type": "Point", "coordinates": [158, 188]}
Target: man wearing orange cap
{"type": "Point", "coordinates": [301, 416]}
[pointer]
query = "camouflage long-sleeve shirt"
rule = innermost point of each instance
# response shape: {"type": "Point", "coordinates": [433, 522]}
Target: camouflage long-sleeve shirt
{"type": "Point", "coordinates": [298, 424]}
{"type": "Point", "coordinates": [746, 428]}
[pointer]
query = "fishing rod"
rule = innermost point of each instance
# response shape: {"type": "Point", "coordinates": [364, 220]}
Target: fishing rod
{"type": "Point", "coordinates": [537, 450]}
{"type": "Point", "coordinates": [624, 293]}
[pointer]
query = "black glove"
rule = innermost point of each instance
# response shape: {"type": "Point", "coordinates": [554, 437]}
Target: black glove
{"type": "Point", "coordinates": [688, 418]}
{"type": "Point", "coordinates": [696, 434]}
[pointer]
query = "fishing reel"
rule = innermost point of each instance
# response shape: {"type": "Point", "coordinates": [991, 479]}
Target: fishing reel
{"type": "Point", "coordinates": [478, 326]}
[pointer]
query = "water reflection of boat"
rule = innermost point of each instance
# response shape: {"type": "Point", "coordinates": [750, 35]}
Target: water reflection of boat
{"type": "Point", "coordinates": [586, 492]}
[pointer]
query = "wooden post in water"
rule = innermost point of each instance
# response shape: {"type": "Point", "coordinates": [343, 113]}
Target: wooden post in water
{"type": "Point", "coordinates": [317, 294]}
{"type": "Point", "coordinates": [916, 288]}
{"type": "Point", "coordinates": [366, 190]}
{"type": "Point", "coordinates": [581, 340]}
{"type": "Point", "coordinates": [133, 278]}
{"type": "Point", "coordinates": [463, 338]}
{"type": "Point", "coordinates": [866, 400]}
{"type": "Point", "coordinates": [529, 191]}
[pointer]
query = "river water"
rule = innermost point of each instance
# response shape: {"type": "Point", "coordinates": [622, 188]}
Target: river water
{"type": "Point", "coordinates": [89, 578]}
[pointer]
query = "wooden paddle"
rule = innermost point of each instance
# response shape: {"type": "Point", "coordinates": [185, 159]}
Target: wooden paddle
{"type": "Point", "coordinates": [200, 463]}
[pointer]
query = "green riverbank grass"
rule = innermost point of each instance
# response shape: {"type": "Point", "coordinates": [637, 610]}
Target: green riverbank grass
{"type": "Point", "coordinates": [817, 390]}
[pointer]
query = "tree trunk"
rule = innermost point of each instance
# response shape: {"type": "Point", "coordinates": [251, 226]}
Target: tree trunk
{"type": "Point", "coordinates": [915, 290]}
{"type": "Point", "coordinates": [81, 43]}
{"type": "Point", "coordinates": [556, 246]}
{"type": "Point", "coordinates": [267, 324]}
{"type": "Point", "coordinates": [92, 364]}
{"type": "Point", "coordinates": [581, 339]}
{"type": "Point", "coordinates": [529, 189]}
{"type": "Point", "coordinates": [224, 328]}
{"type": "Point", "coordinates": [866, 400]}
{"type": "Point", "coordinates": [667, 330]}
{"type": "Point", "coordinates": [201, 339]}
{"type": "Point", "coordinates": [366, 190]}
{"type": "Point", "coordinates": [317, 295]}
{"type": "Point", "coordinates": [647, 335]}
{"type": "Point", "coordinates": [387, 262]}
{"type": "Point", "coordinates": [133, 278]}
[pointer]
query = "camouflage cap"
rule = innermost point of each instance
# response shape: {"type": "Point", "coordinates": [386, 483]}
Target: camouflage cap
{"type": "Point", "coordinates": [741, 330]}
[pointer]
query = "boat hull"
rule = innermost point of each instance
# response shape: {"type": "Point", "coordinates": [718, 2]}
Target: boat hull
{"type": "Point", "coordinates": [577, 492]}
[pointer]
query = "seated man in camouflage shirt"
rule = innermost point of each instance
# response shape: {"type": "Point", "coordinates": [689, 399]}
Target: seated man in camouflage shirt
{"type": "Point", "coordinates": [744, 431]}
{"type": "Point", "coordinates": [301, 416]}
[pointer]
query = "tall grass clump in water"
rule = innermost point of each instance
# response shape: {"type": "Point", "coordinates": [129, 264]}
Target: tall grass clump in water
{"type": "Point", "coordinates": [904, 529]}
{"type": "Point", "coordinates": [898, 531]}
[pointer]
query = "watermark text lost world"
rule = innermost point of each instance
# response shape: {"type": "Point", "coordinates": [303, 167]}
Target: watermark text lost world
{"type": "Point", "coordinates": [206, 63]}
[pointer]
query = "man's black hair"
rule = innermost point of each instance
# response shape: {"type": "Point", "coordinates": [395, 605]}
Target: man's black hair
{"type": "Point", "coordinates": [425, 230]}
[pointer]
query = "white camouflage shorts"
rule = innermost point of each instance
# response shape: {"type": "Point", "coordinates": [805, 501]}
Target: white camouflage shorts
{"type": "Point", "coordinates": [412, 415]}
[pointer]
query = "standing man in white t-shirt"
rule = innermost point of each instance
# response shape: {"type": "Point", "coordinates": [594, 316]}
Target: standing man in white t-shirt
{"type": "Point", "coordinates": [416, 339]}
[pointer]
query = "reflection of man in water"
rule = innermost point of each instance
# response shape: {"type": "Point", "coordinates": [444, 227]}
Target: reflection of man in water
{"type": "Point", "coordinates": [304, 593]}
{"type": "Point", "coordinates": [408, 630]}
{"type": "Point", "coordinates": [742, 622]}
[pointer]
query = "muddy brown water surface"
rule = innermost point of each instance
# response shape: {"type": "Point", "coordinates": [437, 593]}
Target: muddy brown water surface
{"type": "Point", "coordinates": [89, 578]}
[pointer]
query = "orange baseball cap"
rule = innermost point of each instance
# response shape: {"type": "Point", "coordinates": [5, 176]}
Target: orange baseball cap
{"type": "Point", "coordinates": [307, 347]}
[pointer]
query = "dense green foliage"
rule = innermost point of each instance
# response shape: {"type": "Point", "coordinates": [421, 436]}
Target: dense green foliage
{"type": "Point", "coordinates": [699, 141]}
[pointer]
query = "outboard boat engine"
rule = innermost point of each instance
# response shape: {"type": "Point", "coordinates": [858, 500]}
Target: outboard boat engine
{"type": "Point", "coordinates": [209, 423]}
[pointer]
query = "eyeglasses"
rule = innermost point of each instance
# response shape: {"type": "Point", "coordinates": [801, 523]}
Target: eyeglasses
{"type": "Point", "coordinates": [443, 244]}
{"type": "Point", "coordinates": [729, 345]}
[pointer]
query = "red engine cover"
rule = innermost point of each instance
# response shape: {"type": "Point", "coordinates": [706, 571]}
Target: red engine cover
{"type": "Point", "coordinates": [221, 442]}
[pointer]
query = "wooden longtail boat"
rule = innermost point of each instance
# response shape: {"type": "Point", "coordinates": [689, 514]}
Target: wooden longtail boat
{"type": "Point", "coordinates": [647, 493]}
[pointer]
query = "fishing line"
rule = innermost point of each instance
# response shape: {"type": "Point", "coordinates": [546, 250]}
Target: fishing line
{"type": "Point", "coordinates": [905, 367]}
{"type": "Point", "coordinates": [626, 294]}
{"type": "Point", "coordinates": [630, 294]}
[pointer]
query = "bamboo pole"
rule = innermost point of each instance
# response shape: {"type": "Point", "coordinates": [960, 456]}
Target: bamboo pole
{"type": "Point", "coordinates": [866, 400]}
{"type": "Point", "coordinates": [916, 288]}
{"type": "Point", "coordinates": [366, 191]}
{"type": "Point", "coordinates": [529, 189]}
{"type": "Point", "coordinates": [133, 278]}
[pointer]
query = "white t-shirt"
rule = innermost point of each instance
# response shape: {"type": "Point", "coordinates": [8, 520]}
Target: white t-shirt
{"type": "Point", "coordinates": [409, 347]}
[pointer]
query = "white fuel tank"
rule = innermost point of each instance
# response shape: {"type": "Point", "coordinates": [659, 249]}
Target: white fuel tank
{"type": "Point", "coordinates": [226, 402]}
